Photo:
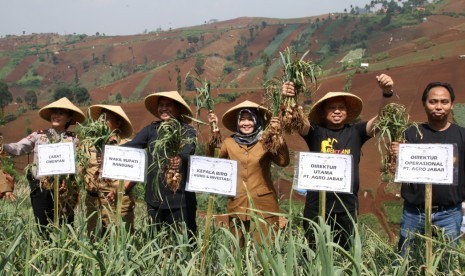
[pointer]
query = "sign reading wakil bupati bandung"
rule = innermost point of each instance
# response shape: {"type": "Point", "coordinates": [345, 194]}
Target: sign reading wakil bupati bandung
{"type": "Point", "coordinates": [212, 175]}
{"type": "Point", "coordinates": [56, 159]}
{"type": "Point", "coordinates": [124, 163]}
{"type": "Point", "coordinates": [324, 172]}
{"type": "Point", "coordinates": [426, 163]}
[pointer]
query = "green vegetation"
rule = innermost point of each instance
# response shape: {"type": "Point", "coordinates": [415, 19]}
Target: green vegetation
{"type": "Point", "coordinates": [116, 72]}
{"type": "Point", "coordinates": [5, 97]}
{"type": "Point", "coordinates": [302, 43]}
{"type": "Point", "coordinates": [70, 251]}
{"type": "Point", "coordinates": [14, 59]}
{"type": "Point", "coordinates": [459, 114]}
{"type": "Point", "coordinates": [227, 97]}
{"type": "Point", "coordinates": [143, 84]}
{"type": "Point", "coordinates": [418, 56]}
{"type": "Point", "coordinates": [393, 211]}
{"type": "Point", "coordinates": [31, 79]}
{"type": "Point", "coordinates": [370, 221]}
{"type": "Point", "coordinates": [277, 41]}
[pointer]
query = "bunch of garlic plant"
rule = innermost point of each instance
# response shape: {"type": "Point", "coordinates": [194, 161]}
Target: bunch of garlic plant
{"type": "Point", "coordinates": [272, 137]}
{"type": "Point", "coordinates": [390, 126]}
{"type": "Point", "coordinates": [94, 134]}
{"type": "Point", "coordinates": [304, 75]}
{"type": "Point", "coordinates": [204, 100]}
{"type": "Point", "coordinates": [171, 138]}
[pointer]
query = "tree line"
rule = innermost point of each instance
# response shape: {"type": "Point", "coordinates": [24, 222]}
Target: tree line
{"type": "Point", "coordinates": [74, 93]}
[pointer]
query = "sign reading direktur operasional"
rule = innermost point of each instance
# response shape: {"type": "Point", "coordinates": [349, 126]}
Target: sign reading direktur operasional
{"type": "Point", "coordinates": [427, 164]}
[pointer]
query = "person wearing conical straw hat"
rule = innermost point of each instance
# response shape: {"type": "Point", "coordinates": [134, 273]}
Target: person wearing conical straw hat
{"type": "Point", "coordinates": [101, 193]}
{"type": "Point", "coordinates": [256, 198]}
{"type": "Point", "coordinates": [168, 205]}
{"type": "Point", "coordinates": [330, 129]}
{"type": "Point", "coordinates": [61, 114]}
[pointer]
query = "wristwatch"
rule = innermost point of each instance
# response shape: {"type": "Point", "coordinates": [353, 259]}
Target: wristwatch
{"type": "Point", "coordinates": [388, 94]}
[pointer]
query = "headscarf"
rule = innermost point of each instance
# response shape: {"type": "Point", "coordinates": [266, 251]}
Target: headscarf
{"type": "Point", "coordinates": [251, 138]}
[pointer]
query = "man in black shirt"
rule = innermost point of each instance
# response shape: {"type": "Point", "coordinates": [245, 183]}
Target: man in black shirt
{"type": "Point", "coordinates": [438, 99]}
{"type": "Point", "coordinates": [329, 130]}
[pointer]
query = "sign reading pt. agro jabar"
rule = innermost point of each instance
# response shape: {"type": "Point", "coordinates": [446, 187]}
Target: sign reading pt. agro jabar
{"type": "Point", "coordinates": [324, 172]}
{"type": "Point", "coordinates": [212, 175]}
{"type": "Point", "coordinates": [56, 159]}
{"type": "Point", "coordinates": [427, 164]}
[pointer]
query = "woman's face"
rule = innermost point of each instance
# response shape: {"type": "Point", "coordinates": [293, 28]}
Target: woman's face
{"type": "Point", "coordinates": [112, 120]}
{"type": "Point", "coordinates": [59, 118]}
{"type": "Point", "coordinates": [246, 123]}
{"type": "Point", "coordinates": [167, 109]}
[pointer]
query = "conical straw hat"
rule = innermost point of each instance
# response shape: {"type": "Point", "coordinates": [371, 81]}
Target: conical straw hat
{"type": "Point", "coordinates": [151, 103]}
{"type": "Point", "coordinates": [230, 117]}
{"type": "Point", "coordinates": [126, 127]}
{"type": "Point", "coordinates": [63, 103]}
{"type": "Point", "coordinates": [354, 106]}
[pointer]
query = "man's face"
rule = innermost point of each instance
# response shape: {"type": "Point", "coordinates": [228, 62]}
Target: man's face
{"type": "Point", "coordinates": [438, 104]}
{"type": "Point", "coordinates": [167, 109]}
{"type": "Point", "coordinates": [334, 112]}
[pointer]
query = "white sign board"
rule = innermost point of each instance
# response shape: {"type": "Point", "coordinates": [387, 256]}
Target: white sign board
{"type": "Point", "coordinates": [212, 175]}
{"type": "Point", "coordinates": [124, 163]}
{"type": "Point", "coordinates": [425, 163]}
{"type": "Point", "coordinates": [324, 172]}
{"type": "Point", "coordinates": [56, 159]}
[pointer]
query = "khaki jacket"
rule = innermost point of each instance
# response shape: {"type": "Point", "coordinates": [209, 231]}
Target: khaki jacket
{"type": "Point", "coordinates": [93, 182]}
{"type": "Point", "coordinates": [5, 185]}
{"type": "Point", "coordinates": [254, 177]}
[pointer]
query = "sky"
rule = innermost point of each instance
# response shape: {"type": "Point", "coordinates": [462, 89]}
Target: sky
{"type": "Point", "coordinates": [126, 17]}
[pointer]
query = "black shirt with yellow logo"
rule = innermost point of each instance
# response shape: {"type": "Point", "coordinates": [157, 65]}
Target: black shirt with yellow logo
{"type": "Point", "coordinates": [346, 140]}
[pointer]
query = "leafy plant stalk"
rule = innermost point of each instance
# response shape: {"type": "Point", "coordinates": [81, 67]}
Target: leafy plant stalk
{"type": "Point", "coordinates": [390, 126]}
{"type": "Point", "coordinates": [272, 136]}
{"type": "Point", "coordinates": [171, 139]}
{"type": "Point", "coordinates": [304, 75]}
{"type": "Point", "coordinates": [204, 100]}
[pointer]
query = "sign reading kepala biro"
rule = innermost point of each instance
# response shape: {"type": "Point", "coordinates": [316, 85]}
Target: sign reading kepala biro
{"type": "Point", "coordinates": [324, 172]}
{"type": "Point", "coordinates": [124, 163]}
{"type": "Point", "coordinates": [427, 164]}
{"type": "Point", "coordinates": [56, 159]}
{"type": "Point", "coordinates": [212, 175]}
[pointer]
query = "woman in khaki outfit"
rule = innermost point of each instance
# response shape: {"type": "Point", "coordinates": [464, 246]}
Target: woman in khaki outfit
{"type": "Point", "coordinates": [255, 190]}
{"type": "Point", "coordinates": [101, 193]}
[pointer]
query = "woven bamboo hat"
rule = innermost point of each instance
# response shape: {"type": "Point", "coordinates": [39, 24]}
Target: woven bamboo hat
{"type": "Point", "coordinates": [63, 103]}
{"type": "Point", "coordinates": [151, 103]}
{"type": "Point", "coordinates": [354, 106]}
{"type": "Point", "coordinates": [230, 117]}
{"type": "Point", "coordinates": [126, 127]}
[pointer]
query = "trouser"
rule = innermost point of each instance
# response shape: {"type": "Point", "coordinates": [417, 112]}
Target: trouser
{"type": "Point", "coordinates": [262, 233]}
{"type": "Point", "coordinates": [98, 207]}
{"type": "Point", "coordinates": [447, 218]}
{"type": "Point", "coordinates": [42, 206]}
{"type": "Point", "coordinates": [341, 225]}
{"type": "Point", "coordinates": [173, 217]}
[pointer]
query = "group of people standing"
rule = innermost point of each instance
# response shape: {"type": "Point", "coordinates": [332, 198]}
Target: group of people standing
{"type": "Point", "coordinates": [330, 119]}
